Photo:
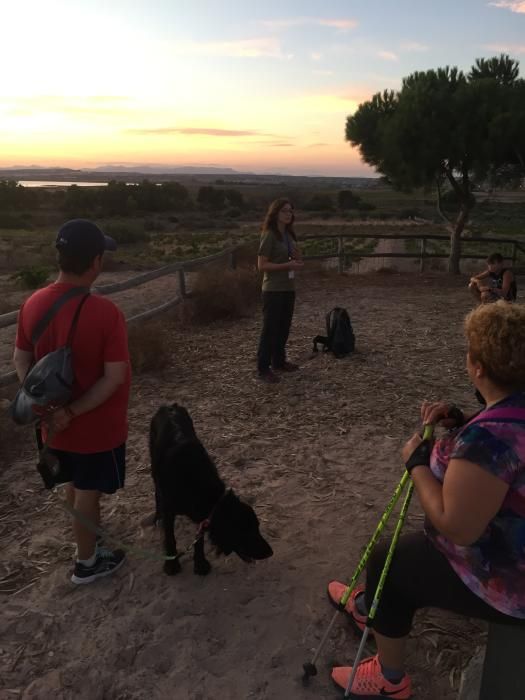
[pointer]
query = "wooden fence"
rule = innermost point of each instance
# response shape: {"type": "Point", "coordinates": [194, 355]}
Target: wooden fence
{"type": "Point", "coordinates": [422, 255]}
{"type": "Point", "coordinates": [180, 268]}
{"type": "Point", "coordinates": [340, 254]}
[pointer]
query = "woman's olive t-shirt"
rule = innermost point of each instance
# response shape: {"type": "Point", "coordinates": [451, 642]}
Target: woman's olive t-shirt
{"type": "Point", "coordinates": [276, 250]}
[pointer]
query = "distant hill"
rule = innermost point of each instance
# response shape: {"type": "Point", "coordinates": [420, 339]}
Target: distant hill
{"type": "Point", "coordinates": [163, 170]}
{"type": "Point", "coordinates": [198, 174]}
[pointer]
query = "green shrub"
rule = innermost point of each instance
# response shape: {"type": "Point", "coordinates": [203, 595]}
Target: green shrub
{"type": "Point", "coordinates": [32, 276]}
{"type": "Point", "coordinates": [125, 232]}
{"type": "Point", "coordinates": [13, 221]}
{"type": "Point", "coordinates": [319, 202]}
{"type": "Point", "coordinates": [365, 206]}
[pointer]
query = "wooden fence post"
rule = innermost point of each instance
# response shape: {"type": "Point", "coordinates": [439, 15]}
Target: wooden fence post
{"type": "Point", "coordinates": [341, 254]}
{"type": "Point", "coordinates": [182, 283]}
{"type": "Point", "coordinates": [422, 253]}
{"type": "Point", "coordinates": [233, 260]}
{"type": "Point", "coordinates": [514, 253]}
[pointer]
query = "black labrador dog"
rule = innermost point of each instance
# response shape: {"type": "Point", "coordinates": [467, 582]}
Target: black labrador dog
{"type": "Point", "coordinates": [187, 483]}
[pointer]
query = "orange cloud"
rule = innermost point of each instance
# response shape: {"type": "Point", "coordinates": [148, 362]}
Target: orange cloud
{"type": "Point", "coordinates": [518, 7]}
{"type": "Point", "coordinates": [340, 24]}
{"type": "Point", "coordinates": [195, 131]}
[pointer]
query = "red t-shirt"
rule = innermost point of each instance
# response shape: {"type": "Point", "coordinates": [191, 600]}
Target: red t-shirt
{"type": "Point", "coordinates": [100, 337]}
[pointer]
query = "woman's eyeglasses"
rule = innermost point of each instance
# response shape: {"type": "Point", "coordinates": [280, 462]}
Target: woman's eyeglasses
{"type": "Point", "coordinates": [287, 210]}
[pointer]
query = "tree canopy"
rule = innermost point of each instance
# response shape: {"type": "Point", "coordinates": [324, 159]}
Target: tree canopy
{"type": "Point", "coordinates": [446, 127]}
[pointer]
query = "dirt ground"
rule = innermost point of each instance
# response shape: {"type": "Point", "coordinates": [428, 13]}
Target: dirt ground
{"type": "Point", "coordinates": [317, 456]}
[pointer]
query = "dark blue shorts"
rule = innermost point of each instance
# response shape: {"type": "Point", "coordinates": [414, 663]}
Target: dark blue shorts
{"type": "Point", "coordinates": [98, 471]}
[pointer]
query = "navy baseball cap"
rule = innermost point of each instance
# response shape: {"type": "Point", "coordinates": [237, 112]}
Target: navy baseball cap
{"type": "Point", "coordinates": [83, 238]}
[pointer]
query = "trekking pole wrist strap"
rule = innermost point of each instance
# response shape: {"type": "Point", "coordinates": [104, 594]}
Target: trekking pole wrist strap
{"type": "Point", "coordinates": [420, 457]}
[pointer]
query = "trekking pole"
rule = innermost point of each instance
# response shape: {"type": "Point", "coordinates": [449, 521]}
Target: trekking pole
{"type": "Point", "coordinates": [427, 434]}
{"type": "Point", "coordinates": [309, 667]}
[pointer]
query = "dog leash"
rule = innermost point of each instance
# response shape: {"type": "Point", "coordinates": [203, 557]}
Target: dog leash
{"type": "Point", "coordinates": [49, 482]}
{"type": "Point", "coordinates": [135, 551]}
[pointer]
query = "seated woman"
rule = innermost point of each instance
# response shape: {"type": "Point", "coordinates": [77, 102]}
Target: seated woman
{"type": "Point", "coordinates": [471, 557]}
{"type": "Point", "coordinates": [494, 283]}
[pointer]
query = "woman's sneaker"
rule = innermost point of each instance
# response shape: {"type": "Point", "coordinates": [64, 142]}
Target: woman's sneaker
{"type": "Point", "coordinates": [268, 376]}
{"type": "Point", "coordinates": [106, 563]}
{"type": "Point", "coordinates": [369, 681]}
{"type": "Point", "coordinates": [336, 591]}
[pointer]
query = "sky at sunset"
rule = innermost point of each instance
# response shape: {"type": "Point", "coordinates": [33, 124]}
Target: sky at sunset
{"type": "Point", "coordinates": [255, 86]}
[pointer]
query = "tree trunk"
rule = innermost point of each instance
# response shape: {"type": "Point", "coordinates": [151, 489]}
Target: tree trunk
{"type": "Point", "coordinates": [438, 204]}
{"type": "Point", "coordinates": [455, 241]}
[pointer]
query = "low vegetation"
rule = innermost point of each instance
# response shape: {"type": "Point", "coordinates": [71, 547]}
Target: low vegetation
{"type": "Point", "coordinates": [150, 345]}
{"type": "Point", "coordinates": [33, 276]}
{"type": "Point", "coordinates": [219, 293]}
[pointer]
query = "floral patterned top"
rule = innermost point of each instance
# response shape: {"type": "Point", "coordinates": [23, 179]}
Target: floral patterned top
{"type": "Point", "coordinates": [493, 567]}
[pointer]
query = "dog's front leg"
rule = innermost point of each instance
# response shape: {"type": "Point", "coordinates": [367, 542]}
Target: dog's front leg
{"type": "Point", "coordinates": [201, 565]}
{"type": "Point", "coordinates": [171, 566]}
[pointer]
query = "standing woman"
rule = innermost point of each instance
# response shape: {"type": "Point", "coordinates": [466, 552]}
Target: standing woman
{"type": "Point", "coordinates": [278, 258]}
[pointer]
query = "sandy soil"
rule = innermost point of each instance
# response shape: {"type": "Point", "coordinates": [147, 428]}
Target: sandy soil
{"type": "Point", "coordinates": [317, 455]}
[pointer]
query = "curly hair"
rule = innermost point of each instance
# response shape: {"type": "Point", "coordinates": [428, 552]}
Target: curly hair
{"type": "Point", "coordinates": [496, 338]}
{"type": "Point", "coordinates": [270, 220]}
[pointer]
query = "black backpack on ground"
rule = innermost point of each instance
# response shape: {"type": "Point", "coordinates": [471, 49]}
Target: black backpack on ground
{"type": "Point", "coordinates": [339, 338]}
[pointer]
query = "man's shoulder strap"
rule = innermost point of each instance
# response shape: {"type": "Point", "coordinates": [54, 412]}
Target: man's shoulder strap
{"type": "Point", "coordinates": [53, 310]}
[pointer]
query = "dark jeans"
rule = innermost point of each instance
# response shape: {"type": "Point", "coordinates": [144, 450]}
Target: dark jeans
{"type": "Point", "coordinates": [421, 577]}
{"type": "Point", "coordinates": [277, 319]}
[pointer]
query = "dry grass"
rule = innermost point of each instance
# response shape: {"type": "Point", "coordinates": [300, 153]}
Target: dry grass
{"type": "Point", "coordinates": [218, 293]}
{"type": "Point", "coordinates": [150, 346]}
{"type": "Point", "coordinates": [12, 436]}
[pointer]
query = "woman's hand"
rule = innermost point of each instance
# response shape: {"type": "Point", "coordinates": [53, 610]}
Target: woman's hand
{"type": "Point", "coordinates": [295, 265]}
{"type": "Point", "coordinates": [410, 446]}
{"type": "Point", "coordinates": [434, 411]}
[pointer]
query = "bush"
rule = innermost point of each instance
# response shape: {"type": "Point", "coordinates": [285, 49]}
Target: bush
{"type": "Point", "coordinates": [346, 199]}
{"type": "Point", "coordinates": [219, 293]}
{"type": "Point", "coordinates": [125, 232]}
{"type": "Point", "coordinates": [13, 438]}
{"type": "Point", "coordinates": [365, 206]}
{"type": "Point", "coordinates": [319, 202]}
{"type": "Point", "coordinates": [149, 346]}
{"type": "Point", "coordinates": [32, 276]}
{"type": "Point", "coordinates": [233, 213]}
{"type": "Point", "coordinates": [13, 221]}
{"type": "Point", "coordinates": [410, 214]}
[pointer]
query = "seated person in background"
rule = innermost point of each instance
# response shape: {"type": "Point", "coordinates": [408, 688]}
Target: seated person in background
{"type": "Point", "coordinates": [470, 558]}
{"type": "Point", "coordinates": [494, 283]}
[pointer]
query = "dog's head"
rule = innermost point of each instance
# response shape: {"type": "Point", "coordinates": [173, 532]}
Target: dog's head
{"type": "Point", "coordinates": [234, 527]}
{"type": "Point", "coordinates": [171, 428]}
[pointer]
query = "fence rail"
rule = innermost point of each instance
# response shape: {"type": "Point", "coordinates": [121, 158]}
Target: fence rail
{"type": "Point", "coordinates": [11, 317]}
{"type": "Point", "coordinates": [342, 255]}
{"type": "Point", "coordinates": [181, 268]}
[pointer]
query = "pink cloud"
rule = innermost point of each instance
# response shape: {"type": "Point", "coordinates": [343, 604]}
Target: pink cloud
{"type": "Point", "coordinates": [518, 7]}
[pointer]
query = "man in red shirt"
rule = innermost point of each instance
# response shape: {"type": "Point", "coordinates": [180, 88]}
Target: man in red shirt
{"type": "Point", "coordinates": [88, 436]}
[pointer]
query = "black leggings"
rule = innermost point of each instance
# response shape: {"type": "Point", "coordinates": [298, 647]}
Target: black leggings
{"type": "Point", "coordinates": [277, 319]}
{"type": "Point", "coordinates": [421, 577]}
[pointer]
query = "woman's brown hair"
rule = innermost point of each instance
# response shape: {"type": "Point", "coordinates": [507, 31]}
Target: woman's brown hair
{"type": "Point", "coordinates": [270, 220]}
